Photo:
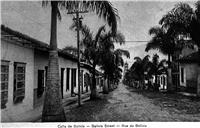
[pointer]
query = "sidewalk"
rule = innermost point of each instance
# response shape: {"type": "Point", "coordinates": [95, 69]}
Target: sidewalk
{"type": "Point", "coordinates": [67, 101]}
{"type": "Point", "coordinates": [35, 115]}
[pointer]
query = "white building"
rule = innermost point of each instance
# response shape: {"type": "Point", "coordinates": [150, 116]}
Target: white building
{"type": "Point", "coordinates": [24, 64]}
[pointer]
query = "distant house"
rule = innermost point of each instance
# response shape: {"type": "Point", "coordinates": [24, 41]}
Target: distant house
{"type": "Point", "coordinates": [161, 81]}
{"type": "Point", "coordinates": [24, 65]}
{"type": "Point", "coordinates": [189, 72]}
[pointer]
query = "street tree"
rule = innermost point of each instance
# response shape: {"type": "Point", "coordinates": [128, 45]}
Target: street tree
{"type": "Point", "coordinates": [95, 46]}
{"type": "Point", "coordinates": [52, 109]}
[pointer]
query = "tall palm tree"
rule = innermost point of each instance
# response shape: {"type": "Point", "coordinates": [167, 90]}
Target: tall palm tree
{"type": "Point", "coordinates": [110, 62]}
{"type": "Point", "coordinates": [52, 109]}
{"type": "Point", "coordinates": [185, 20]}
{"type": "Point", "coordinates": [139, 68]}
{"type": "Point", "coordinates": [119, 62]}
{"type": "Point", "coordinates": [94, 47]}
{"type": "Point", "coordinates": [156, 67]}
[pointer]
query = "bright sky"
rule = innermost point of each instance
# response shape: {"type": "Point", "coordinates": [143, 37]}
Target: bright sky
{"type": "Point", "coordinates": [137, 17]}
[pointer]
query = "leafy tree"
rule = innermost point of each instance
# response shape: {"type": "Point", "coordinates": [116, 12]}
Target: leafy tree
{"type": "Point", "coordinates": [52, 109]}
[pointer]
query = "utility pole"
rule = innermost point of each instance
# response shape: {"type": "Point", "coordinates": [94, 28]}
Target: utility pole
{"type": "Point", "coordinates": [77, 19]}
{"type": "Point", "coordinates": [1, 12]}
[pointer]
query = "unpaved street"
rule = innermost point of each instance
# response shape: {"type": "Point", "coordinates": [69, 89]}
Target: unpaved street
{"type": "Point", "coordinates": [125, 104]}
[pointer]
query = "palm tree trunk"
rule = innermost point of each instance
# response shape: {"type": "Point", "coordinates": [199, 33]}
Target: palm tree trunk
{"type": "Point", "coordinates": [94, 93]}
{"type": "Point", "coordinates": [198, 80]}
{"type": "Point", "coordinates": [52, 109]}
{"type": "Point", "coordinates": [105, 86]}
{"type": "Point", "coordinates": [169, 76]}
{"type": "Point", "coordinates": [108, 84]}
{"type": "Point", "coordinates": [156, 83]}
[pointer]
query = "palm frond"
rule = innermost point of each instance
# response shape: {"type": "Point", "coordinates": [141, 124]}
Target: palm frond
{"type": "Point", "coordinates": [122, 52]}
{"type": "Point", "coordinates": [155, 30]}
{"type": "Point", "coordinates": [154, 44]}
{"type": "Point", "coordinates": [100, 30]}
{"type": "Point", "coordinates": [119, 38]}
{"type": "Point", "coordinates": [105, 10]}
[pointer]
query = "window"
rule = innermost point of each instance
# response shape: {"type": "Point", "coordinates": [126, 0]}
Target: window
{"type": "Point", "coordinates": [182, 75]}
{"type": "Point", "coordinates": [4, 83]}
{"type": "Point", "coordinates": [19, 82]}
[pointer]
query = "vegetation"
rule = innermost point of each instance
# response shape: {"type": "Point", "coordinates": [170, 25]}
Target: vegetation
{"type": "Point", "coordinates": [144, 69]}
{"type": "Point", "coordinates": [52, 109]}
{"type": "Point", "coordinates": [183, 20]}
{"type": "Point", "coordinates": [98, 51]}
{"type": "Point", "coordinates": [156, 68]}
{"type": "Point", "coordinates": [111, 61]}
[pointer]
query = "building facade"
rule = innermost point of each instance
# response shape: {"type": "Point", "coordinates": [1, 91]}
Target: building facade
{"type": "Point", "coordinates": [176, 70]}
{"type": "Point", "coordinates": [24, 65]}
{"type": "Point", "coordinates": [189, 72]}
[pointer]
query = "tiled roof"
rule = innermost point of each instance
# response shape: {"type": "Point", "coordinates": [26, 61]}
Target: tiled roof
{"type": "Point", "coordinates": [26, 40]}
{"type": "Point", "coordinates": [190, 58]}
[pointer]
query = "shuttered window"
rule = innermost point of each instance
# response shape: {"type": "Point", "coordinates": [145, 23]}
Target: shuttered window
{"type": "Point", "coordinates": [4, 83]}
{"type": "Point", "coordinates": [19, 82]}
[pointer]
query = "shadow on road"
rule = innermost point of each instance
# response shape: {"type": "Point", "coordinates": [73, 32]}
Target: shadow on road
{"type": "Point", "coordinates": [87, 111]}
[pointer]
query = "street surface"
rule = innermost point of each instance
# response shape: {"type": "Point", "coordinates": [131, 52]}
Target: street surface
{"type": "Point", "coordinates": [125, 104]}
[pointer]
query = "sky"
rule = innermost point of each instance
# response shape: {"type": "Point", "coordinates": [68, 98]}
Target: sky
{"type": "Point", "coordinates": [136, 18]}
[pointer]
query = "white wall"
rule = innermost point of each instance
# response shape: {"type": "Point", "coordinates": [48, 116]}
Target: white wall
{"type": "Point", "coordinates": [190, 72]}
{"type": "Point", "coordinates": [163, 83]}
{"type": "Point", "coordinates": [16, 53]}
{"type": "Point", "coordinates": [65, 63]}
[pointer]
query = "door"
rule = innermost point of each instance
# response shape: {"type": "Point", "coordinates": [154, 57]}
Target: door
{"type": "Point", "coordinates": [67, 79]}
{"type": "Point", "coordinates": [81, 80]}
{"type": "Point", "coordinates": [73, 81]}
{"type": "Point", "coordinates": [62, 81]}
{"type": "Point", "coordinates": [40, 89]}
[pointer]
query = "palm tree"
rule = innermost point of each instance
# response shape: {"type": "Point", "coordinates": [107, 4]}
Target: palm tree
{"type": "Point", "coordinates": [156, 67]}
{"type": "Point", "coordinates": [184, 20]}
{"type": "Point", "coordinates": [94, 47]}
{"type": "Point", "coordinates": [119, 62]}
{"type": "Point", "coordinates": [139, 68]}
{"type": "Point", "coordinates": [52, 109]}
{"type": "Point", "coordinates": [110, 62]}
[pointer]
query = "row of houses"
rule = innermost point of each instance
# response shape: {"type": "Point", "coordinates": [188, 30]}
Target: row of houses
{"type": "Point", "coordinates": [184, 71]}
{"type": "Point", "coordinates": [24, 65]}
